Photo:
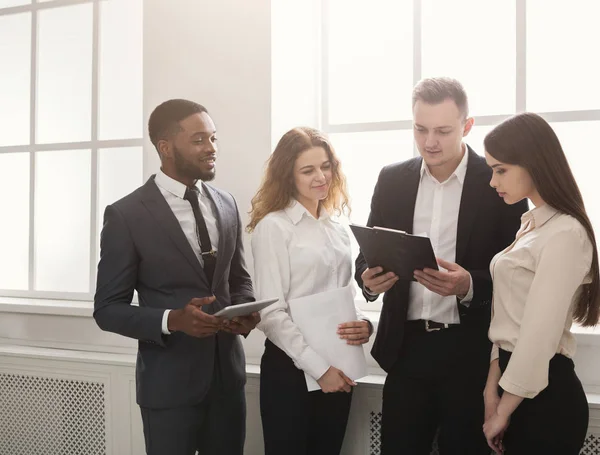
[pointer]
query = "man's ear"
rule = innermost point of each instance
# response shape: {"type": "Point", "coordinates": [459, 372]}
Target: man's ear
{"type": "Point", "coordinates": [165, 150]}
{"type": "Point", "coordinates": [468, 125]}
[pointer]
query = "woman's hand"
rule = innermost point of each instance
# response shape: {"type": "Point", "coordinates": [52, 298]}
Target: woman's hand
{"type": "Point", "coordinates": [355, 332]}
{"type": "Point", "coordinates": [491, 399]}
{"type": "Point", "coordinates": [494, 429]}
{"type": "Point", "coordinates": [335, 380]}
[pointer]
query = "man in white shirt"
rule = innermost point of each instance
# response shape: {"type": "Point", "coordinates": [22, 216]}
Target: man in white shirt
{"type": "Point", "coordinates": [178, 242]}
{"type": "Point", "coordinates": [432, 335]}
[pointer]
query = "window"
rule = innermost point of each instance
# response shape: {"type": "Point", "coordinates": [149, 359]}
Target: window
{"type": "Point", "coordinates": [507, 55]}
{"type": "Point", "coordinates": [71, 141]}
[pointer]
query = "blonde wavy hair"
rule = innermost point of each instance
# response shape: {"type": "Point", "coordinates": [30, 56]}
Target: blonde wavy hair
{"type": "Point", "coordinates": [277, 188]}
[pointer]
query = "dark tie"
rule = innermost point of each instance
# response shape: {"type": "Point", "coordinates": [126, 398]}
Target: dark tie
{"type": "Point", "coordinates": [208, 254]}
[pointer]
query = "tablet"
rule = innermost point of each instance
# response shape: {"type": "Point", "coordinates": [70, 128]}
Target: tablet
{"type": "Point", "coordinates": [244, 309]}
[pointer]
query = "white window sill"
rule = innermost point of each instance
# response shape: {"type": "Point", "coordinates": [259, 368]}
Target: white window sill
{"type": "Point", "coordinates": [78, 308]}
{"type": "Point", "coordinates": [46, 306]}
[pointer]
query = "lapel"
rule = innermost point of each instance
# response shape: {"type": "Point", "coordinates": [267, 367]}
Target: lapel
{"type": "Point", "coordinates": [407, 195]}
{"type": "Point", "coordinates": [477, 175]}
{"type": "Point", "coordinates": [217, 201]}
{"type": "Point", "coordinates": [158, 207]}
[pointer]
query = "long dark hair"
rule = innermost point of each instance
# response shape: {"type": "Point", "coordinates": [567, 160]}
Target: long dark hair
{"type": "Point", "coordinates": [527, 140]}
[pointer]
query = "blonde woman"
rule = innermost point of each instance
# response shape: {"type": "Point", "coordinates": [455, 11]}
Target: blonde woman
{"type": "Point", "coordinates": [300, 250]}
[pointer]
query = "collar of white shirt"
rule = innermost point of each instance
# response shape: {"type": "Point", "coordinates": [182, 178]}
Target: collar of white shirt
{"type": "Point", "coordinates": [296, 211]}
{"type": "Point", "coordinates": [540, 215]}
{"type": "Point", "coordinates": [173, 186]}
{"type": "Point", "coordinates": [460, 172]}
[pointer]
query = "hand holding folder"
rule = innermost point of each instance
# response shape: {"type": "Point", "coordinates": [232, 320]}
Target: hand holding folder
{"type": "Point", "coordinates": [395, 251]}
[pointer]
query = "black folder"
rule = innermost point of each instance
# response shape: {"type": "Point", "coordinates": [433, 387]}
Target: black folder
{"type": "Point", "coordinates": [394, 251]}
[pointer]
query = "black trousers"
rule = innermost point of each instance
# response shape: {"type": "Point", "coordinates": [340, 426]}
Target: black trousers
{"type": "Point", "coordinates": [436, 384]}
{"type": "Point", "coordinates": [216, 426]}
{"type": "Point", "coordinates": [556, 420]}
{"type": "Point", "coordinates": [295, 421]}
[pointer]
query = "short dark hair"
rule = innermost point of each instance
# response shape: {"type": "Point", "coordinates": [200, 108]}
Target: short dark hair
{"type": "Point", "coordinates": [436, 90]}
{"type": "Point", "coordinates": [164, 120]}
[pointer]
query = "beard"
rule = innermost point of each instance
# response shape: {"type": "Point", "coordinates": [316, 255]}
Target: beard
{"type": "Point", "coordinates": [186, 168]}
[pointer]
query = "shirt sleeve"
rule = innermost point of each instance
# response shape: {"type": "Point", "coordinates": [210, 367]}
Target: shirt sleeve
{"type": "Point", "coordinates": [466, 301]}
{"type": "Point", "coordinates": [495, 354]}
{"type": "Point", "coordinates": [165, 322]}
{"type": "Point", "coordinates": [272, 279]}
{"type": "Point", "coordinates": [561, 268]}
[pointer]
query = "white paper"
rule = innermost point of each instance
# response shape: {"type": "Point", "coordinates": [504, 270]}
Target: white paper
{"type": "Point", "coordinates": [318, 316]}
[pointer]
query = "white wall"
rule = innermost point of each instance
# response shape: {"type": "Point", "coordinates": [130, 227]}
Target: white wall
{"type": "Point", "coordinates": [216, 53]}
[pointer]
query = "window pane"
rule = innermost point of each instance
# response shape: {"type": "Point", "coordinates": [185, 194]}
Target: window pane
{"type": "Point", "coordinates": [120, 96]}
{"type": "Point", "coordinates": [15, 53]}
{"type": "Point", "coordinates": [562, 39]}
{"type": "Point", "coordinates": [370, 60]}
{"type": "Point", "coordinates": [65, 74]}
{"type": "Point", "coordinates": [476, 137]}
{"type": "Point", "coordinates": [363, 155]}
{"type": "Point", "coordinates": [474, 42]}
{"type": "Point", "coordinates": [575, 140]}
{"type": "Point", "coordinates": [14, 230]}
{"type": "Point", "coordinates": [7, 3]}
{"type": "Point", "coordinates": [295, 41]}
{"type": "Point", "coordinates": [62, 221]}
{"type": "Point", "coordinates": [119, 173]}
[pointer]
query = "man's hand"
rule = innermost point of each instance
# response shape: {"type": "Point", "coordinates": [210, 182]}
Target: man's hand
{"type": "Point", "coordinates": [192, 320]}
{"type": "Point", "coordinates": [456, 281]}
{"type": "Point", "coordinates": [335, 380]}
{"type": "Point", "coordinates": [241, 325]}
{"type": "Point", "coordinates": [355, 332]}
{"type": "Point", "coordinates": [378, 284]}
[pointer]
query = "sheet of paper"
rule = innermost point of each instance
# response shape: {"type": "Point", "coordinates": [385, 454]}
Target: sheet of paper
{"type": "Point", "coordinates": [318, 316]}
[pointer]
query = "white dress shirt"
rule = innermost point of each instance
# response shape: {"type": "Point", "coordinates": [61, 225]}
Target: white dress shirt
{"type": "Point", "coordinates": [436, 216]}
{"type": "Point", "coordinates": [296, 255]}
{"type": "Point", "coordinates": [537, 280]}
{"type": "Point", "coordinates": [173, 192]}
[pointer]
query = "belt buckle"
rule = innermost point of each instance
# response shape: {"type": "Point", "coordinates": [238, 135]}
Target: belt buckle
{"type": "Point", "coordinates": [431, 329]}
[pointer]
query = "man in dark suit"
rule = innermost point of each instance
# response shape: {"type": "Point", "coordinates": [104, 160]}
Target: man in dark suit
{"type": "Point", "coordinates": [178, 242]}
{"type": "Point", "coordinates": [432, 335]}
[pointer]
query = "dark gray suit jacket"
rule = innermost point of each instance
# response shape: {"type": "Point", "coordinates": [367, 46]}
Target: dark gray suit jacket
{"type": "Point", "coordinates": [143, 248]}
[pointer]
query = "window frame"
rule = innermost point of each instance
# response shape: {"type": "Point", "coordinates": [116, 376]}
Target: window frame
{"type": "Point", "coordinates": [480, 120]}
{"type": "Point", "coordinates": [94, 144]}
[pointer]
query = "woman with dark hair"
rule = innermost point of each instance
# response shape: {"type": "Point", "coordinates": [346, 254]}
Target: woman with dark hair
{"type": "Point", "coordinates": [300, 249]}
{"type": "Point", "coordinates": [544, 281]}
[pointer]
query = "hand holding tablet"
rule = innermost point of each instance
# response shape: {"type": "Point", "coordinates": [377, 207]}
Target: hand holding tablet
{"type": "Point", "coordinates": [244, 309]}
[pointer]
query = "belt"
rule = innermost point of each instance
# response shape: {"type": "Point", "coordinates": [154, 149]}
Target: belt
{"type": "Point", "coordinates": [431, 326]}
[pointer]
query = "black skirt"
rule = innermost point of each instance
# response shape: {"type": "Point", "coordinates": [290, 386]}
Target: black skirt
{"type": "Point", "coordinates": [553, 422]}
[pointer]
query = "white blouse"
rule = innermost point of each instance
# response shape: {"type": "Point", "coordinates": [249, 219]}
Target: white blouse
{"type": "Point", "coordinates": [536, 283]}
{"type": "Point", "coordinates": [296, 255]}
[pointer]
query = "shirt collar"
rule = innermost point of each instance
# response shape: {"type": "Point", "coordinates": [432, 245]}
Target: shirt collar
{"type": "Point", "coordinates": [461, 170]}
{"type": "Point", "coordinates": [173, 186]}
{"type": "Point", "coordinates": [540, 215]}
{"type": "Point", "coordinates": [296, 211]}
